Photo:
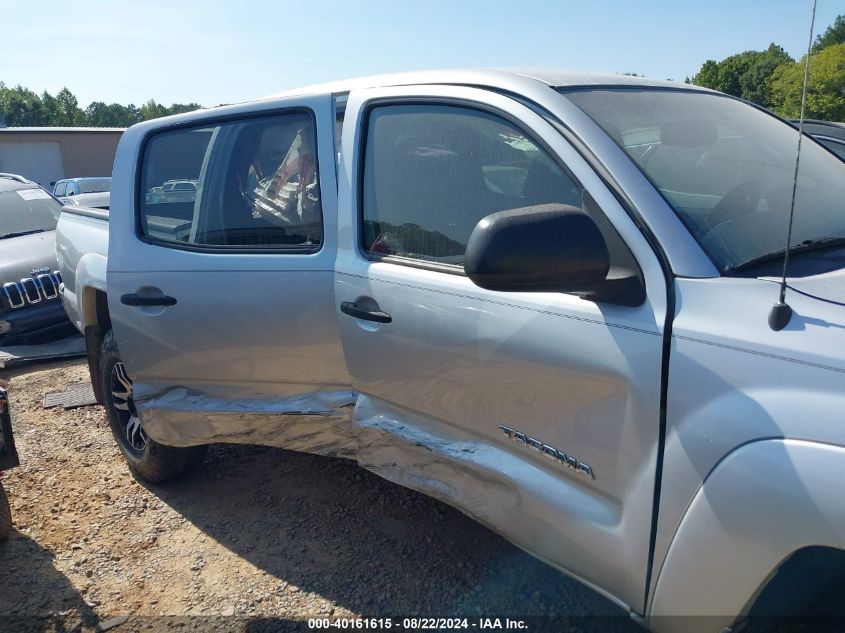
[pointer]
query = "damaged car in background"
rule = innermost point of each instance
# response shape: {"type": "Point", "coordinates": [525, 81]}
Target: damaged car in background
{"type": "Point", "coordinates": [84, 192]}
{"type": "Point", "coordinates": [31, 311]}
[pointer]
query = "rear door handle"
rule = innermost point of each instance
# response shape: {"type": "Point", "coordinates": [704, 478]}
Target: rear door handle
{"type": "Point", "coordinates": [350, 308]}
{"type": "Point", "coordinates": [135, 300]}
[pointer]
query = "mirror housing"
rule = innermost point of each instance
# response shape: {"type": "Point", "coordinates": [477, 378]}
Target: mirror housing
{"type": "Point", "coordinates": [554, 248]}
{"type": "Point", "coordinates": [545, 248]}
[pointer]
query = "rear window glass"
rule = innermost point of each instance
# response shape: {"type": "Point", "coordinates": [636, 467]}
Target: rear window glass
{"type": "Point", "coordinates": [251, 183]}
{"type": "Point", "coordinates": [94, 185]}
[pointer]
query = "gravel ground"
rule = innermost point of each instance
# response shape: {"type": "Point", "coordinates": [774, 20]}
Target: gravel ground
{"type": "Point", "coordinates": [256, 539]}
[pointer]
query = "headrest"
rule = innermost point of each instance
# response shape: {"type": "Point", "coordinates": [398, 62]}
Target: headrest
{"type": "Point", "coordinates": [681, 133]}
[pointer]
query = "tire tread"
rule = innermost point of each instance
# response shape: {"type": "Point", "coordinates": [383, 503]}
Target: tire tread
{"type": "Point", "coordinates": [158, 463]}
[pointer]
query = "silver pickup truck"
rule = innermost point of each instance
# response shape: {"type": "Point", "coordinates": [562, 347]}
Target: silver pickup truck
{"type": "Point", "coordinates": [540, 297]}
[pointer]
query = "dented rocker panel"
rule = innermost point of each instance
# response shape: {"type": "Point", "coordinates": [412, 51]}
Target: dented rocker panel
{"type": "Point", "coordinates": [318, 422]}
{"type": "Point", "coordinates": [497, 484]}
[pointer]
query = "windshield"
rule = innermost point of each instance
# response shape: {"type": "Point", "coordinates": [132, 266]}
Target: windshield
{"type": "Point", "coordinates": [725, 167]}
{"type": "Point", "coordinates": [94, 185]}
{"type": "Point", "coordinates": [27, 211]}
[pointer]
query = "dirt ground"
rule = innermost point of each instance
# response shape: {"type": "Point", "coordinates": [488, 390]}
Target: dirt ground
{"type": "Point", "coordinates": [256, 539]}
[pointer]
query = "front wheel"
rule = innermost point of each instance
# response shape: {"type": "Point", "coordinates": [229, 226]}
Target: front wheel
{"type": "Point", "coordinates": [5, 515]}
{"type": "Point", "coordinates": [147, 459]}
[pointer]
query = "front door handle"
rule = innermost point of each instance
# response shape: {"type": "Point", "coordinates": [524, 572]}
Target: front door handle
{"type": "Point", "coordinates": [353, 310]}
{"type": "Point", "coordinates": [135, 300]}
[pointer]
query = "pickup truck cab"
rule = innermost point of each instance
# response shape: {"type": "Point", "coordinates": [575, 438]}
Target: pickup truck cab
{"type": "Point", "coordinates": [540, 297]}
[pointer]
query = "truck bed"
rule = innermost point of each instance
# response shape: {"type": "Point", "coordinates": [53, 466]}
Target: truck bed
{"type": "Point", "coordinates": [82, 242]}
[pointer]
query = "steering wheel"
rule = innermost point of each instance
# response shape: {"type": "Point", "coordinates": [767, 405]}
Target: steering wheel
{"type": "Point", "coordinates": [741, 200]}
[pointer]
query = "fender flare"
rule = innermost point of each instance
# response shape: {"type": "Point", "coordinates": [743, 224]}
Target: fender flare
{"type": "Point", "coordinates": [90, 277]}
{"type": "Point", "coordinates": [762, 502]}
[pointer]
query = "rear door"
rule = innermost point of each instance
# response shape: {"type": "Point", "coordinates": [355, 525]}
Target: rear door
{"type": "Point", "coordinates": [536, 413]}
{"type": "Point", "coordinates": [221, 299]}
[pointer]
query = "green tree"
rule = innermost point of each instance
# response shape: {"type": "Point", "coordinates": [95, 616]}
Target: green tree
{"type": "Point", "coordinates": [50, 106]}
{"type": "Point", "coordinates": [68, 113]}
{"type": "Point", "coordinates": [152, 110]}
{"type": "Point", "coordinates": [755, 81]}
{"type": "Point", "coordinates": [179, 108]}
{"type": "Point", "coordinates": [21, 107]}
{"type": "Point", "coordinates": [835, 34]}
{"type": "Point", "coordinates": [129, 115]}
{"type": "Point", "coordinates": [708, 76]}
{"type": "Point", "coordinates": [99, 114]}
{"type": "Point", "coordinates": [825, 86]}
{"type": "Point", "coordinates": [745, 74]}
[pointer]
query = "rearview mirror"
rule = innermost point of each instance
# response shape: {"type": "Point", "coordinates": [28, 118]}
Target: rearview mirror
{"type": "Point", "coordinates": [545, 248]}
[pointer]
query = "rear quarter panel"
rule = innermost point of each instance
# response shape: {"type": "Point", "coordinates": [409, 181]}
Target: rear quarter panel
{"type": "Point", "coordinates": [82, 241]}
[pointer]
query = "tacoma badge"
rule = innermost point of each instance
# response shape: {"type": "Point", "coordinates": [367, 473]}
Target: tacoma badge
{"type": "Point", "coordinates": [549, 451]}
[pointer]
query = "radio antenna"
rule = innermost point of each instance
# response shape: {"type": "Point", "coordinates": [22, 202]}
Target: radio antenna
{"type": "Point", "coordinates": [781, 312]}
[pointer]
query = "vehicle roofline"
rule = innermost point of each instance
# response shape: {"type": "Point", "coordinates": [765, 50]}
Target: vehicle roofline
{"type": "Point", "coordinates": [523, 82]}
{"type": "Point", "coordinates": [509, 79]}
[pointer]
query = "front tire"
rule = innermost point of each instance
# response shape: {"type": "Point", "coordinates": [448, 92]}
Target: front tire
{"type": "Point", "coordinates": [147, 460]}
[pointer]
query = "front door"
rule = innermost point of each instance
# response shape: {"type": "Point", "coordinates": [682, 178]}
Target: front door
{"type": "Point", "coordinates": [535, 413]}
{"type": "Point", "coordinates": [220, 271]}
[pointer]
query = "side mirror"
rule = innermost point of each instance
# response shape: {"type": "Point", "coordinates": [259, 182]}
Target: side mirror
{"type": "Point", "coordinates": [553, 248]}
{"type": "Point", "coordinates": [70, 193]}
{"type": "Point", "coordinates": [546, 248]}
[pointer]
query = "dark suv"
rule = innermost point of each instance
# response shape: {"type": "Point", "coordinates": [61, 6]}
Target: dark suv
{"type": "Point", "coordinates": [30, 309]}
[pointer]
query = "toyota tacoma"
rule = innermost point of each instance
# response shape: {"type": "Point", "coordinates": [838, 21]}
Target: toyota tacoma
{"type": "Point", "coordinates": [541, 297]}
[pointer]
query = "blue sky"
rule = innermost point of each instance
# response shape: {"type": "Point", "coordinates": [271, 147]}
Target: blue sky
{"type": "Point", "coordinates": [222, 51]}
